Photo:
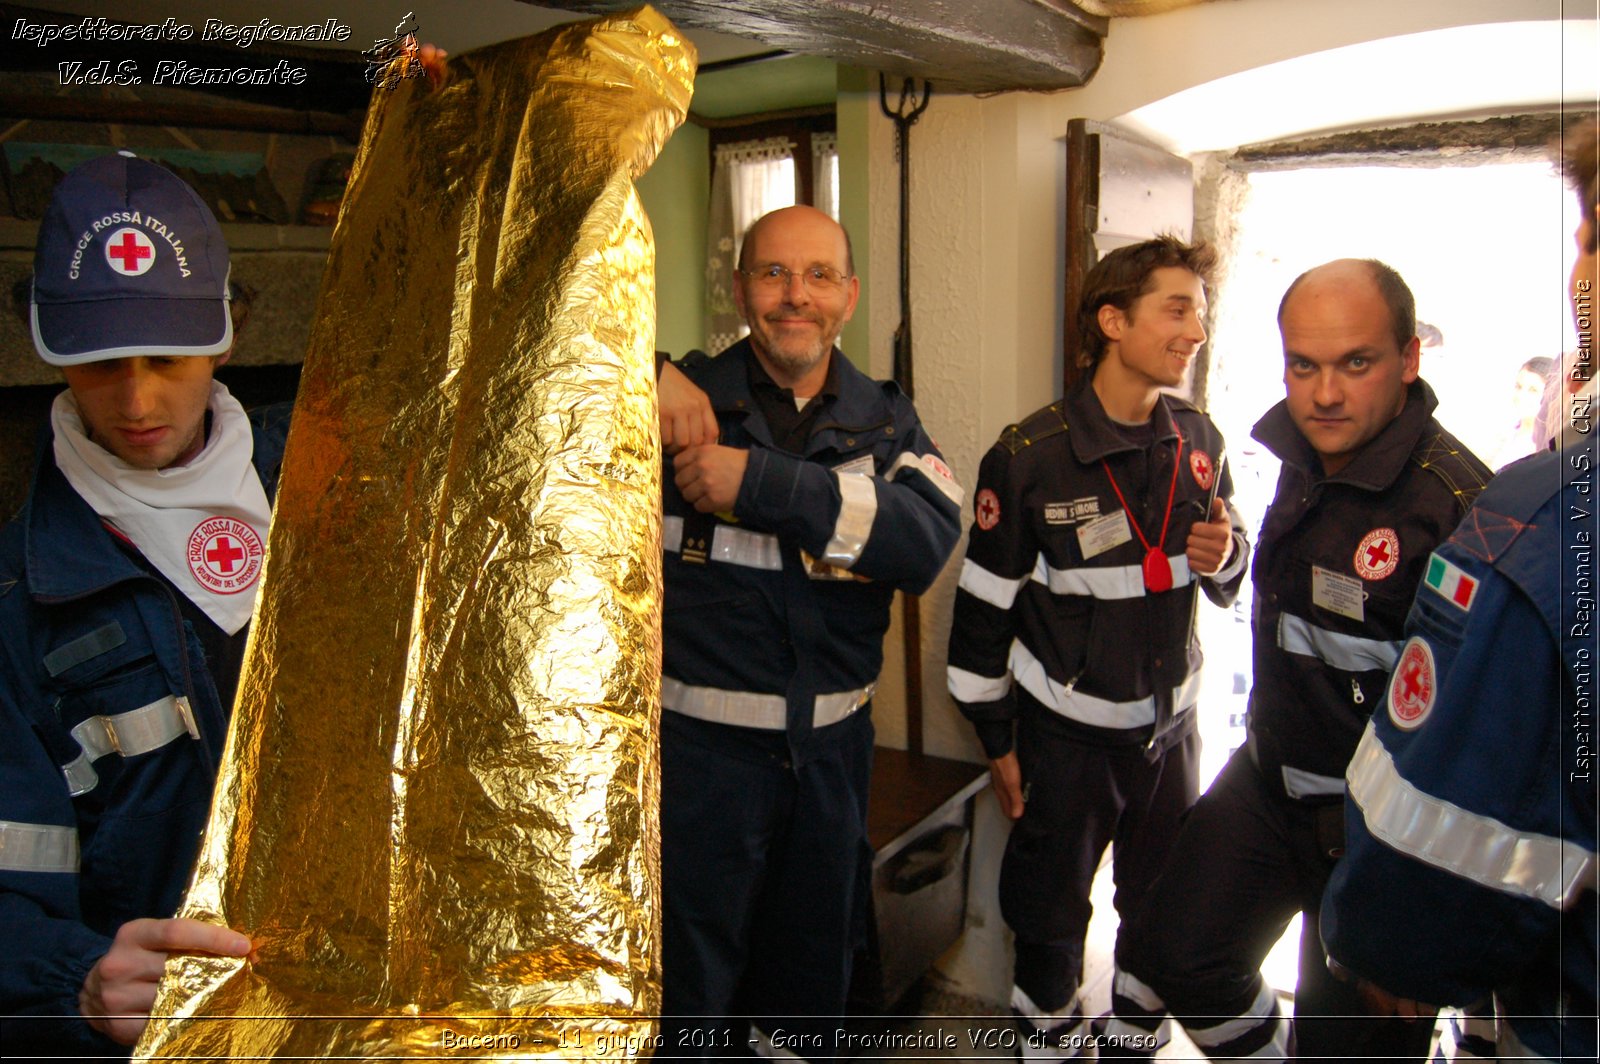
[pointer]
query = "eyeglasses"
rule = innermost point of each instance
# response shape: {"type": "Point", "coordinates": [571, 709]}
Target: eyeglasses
{"type": "Point", "coordinates": [818, 280]}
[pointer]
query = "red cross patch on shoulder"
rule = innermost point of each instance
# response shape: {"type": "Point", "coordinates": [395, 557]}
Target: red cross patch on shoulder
{"type": "Point", "coordinates": [1203, 468]}
{"type": "Point", "coordinates": [1378, 555]}
{"type": "Point", "coordinates": [986, 508]}
{"type": "Point", "coordinates": [1413, 686]}
{"type": "Point", "coordinates": [224, 555]}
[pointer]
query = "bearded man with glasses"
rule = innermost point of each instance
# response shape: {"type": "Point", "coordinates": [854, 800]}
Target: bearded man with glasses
{"type": "Point", "coordinates": [785, 537]}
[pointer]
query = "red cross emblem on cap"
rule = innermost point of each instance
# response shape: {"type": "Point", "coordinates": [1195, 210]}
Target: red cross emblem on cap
{"type": "Point", "coordinates": [1378, 554]}
{"type": "Point", "coordinates": [1200, 465]}
{"type": "Point", "coordinates": [987, 509]}
{"type": "Point", "coordinates": [130, 252]}
{"type": "Point", "coordinates": [1412, 687]}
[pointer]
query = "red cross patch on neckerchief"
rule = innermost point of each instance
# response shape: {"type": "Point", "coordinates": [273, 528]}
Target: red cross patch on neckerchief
{"type": "Point", "coordinates": [1413, 686]}
{"type": "Point", "coordinates": [986, 508]}
{"type": "Point", "coordinates": [129, 252]}
{"type": "Point", "coordinates": [224, 555]}
{"type": "Point", "coordinates": [1378, 555]}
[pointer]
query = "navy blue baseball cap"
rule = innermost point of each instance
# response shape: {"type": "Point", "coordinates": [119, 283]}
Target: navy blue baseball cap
{"type": "Point", "coordinates": [129, 262]}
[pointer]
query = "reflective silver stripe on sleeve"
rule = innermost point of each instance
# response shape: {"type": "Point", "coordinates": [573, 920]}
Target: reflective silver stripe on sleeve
{"type": "Point", "coordinates": [132, 733]}
{"type": "Point", "coordinates": [138, 731]}
{"type": "Point", "coordinates": [81, 776]}
{"type": "Point", "coordinates": [1351, 653]}
{"type": "Point", "coordinates": [1298, 783]}
{"type": "Point", "coordinates": [37, 847]}
{"type": "Point", "coordinates": [858, 506]}
{"type": "Point", "coordinates": [1475, 847]}
{"type": "Point", "coordinates": [1106, 582]}
{"type": "Point", "coordinates": [970, 687]}
{"type": "Point", "coordinates": [1235, 561]}
{"type": "Point", "coordinates": [995, 590]}
{"type": "Point", "coordinates": [747, 709]}
{"type": "Point", "coordinates": [1102, 713]}
{"type": "Point", "coordinates": [923, 464]}
{"type": "Point", "coordinates": [735, 546]}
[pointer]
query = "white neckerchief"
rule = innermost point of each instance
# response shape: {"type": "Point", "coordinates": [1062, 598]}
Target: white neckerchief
{"type": "Point", "coordinates": [203, 525]}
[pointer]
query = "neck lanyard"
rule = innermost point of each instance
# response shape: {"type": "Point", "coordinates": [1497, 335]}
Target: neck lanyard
{"type": "Point", "coordinates": [1157, 568]}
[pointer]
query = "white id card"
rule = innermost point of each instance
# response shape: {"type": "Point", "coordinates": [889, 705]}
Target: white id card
{"type": "Point", "coordinates": [1341, 594]}
{"type": "Point", "coordinates": [1103, 533]}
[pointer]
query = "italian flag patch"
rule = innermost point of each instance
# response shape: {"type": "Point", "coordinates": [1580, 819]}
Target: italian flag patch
{"type": "Point", "coordinates": [1448, 580]}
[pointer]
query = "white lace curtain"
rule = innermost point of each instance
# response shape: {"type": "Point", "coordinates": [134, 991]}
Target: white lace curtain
{"type": "Point", "coordinates": [825, 173]}
{"type": "Point", "coordinates": [750, 178]}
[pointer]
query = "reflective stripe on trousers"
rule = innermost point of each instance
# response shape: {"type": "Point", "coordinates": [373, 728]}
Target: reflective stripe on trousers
{"type": "Point", "coordinates": [748, 709]}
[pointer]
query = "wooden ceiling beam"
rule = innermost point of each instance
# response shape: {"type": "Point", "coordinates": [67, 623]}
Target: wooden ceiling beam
{"type": "Point", "coordinates": [959, 45]}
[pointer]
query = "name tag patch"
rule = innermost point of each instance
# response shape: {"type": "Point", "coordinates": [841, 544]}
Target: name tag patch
{"type": "Point", "coordinates": [1338, 593]}
{"type": "Point", "coordinates": [1100, 535]}
{"type": "Point", "coordinates": [1070, 513]}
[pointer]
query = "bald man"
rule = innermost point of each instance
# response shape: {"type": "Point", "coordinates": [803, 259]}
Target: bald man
{"type": "Point", "coordinates": [784, 544]}
{"type": "Point", "coordinates": [1370, 485]}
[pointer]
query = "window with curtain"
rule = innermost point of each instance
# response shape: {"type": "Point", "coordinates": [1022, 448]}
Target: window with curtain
{"type": "Point", "coordinates": [825, 173]}
{"type": "Point", "coordinates": [748, 179]}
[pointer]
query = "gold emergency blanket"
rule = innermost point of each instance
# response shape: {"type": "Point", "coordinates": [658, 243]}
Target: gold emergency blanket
{"type": "Point", "coordinates": [436, 817]}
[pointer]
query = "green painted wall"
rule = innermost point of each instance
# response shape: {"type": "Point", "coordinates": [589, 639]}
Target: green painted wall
{"type": "Point", "coordinates": [770, 85]}
{"type": "Point", "coordinates": [675, 192]}
{"type": "Point", "coordinates": [856, 105]}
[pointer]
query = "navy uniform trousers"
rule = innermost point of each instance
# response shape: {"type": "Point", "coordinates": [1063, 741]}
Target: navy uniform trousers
{"type": "Point", "coordinates": [771, 864]}
{"type": "Point", "coordinates": [1206, 961]}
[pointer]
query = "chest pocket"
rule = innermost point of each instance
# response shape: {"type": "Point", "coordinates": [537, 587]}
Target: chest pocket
{"type": "Point", "coordinates": [112, 699]}
{"type": "Point", "coordinates": [854, 450]}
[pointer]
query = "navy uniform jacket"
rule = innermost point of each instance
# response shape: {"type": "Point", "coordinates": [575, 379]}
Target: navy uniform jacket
{"type": "Point", "coordinates": [788, 596]}
{"type": "Point", "coordinates": [1337, 563]}
{"type": "Point", "coordinates": [88, 843]}
{"type": "Point", "coordinates": [1075, 628]}
{"type": "Point", "coordinates": [1470, 864]}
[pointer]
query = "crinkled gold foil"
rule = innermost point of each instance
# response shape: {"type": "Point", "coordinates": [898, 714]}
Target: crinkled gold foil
{"type": "Point", "coordinates": [436, 814]}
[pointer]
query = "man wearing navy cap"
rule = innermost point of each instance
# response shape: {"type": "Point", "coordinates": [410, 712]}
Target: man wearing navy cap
{"type": "Point", "coordinates": [126, 587]}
